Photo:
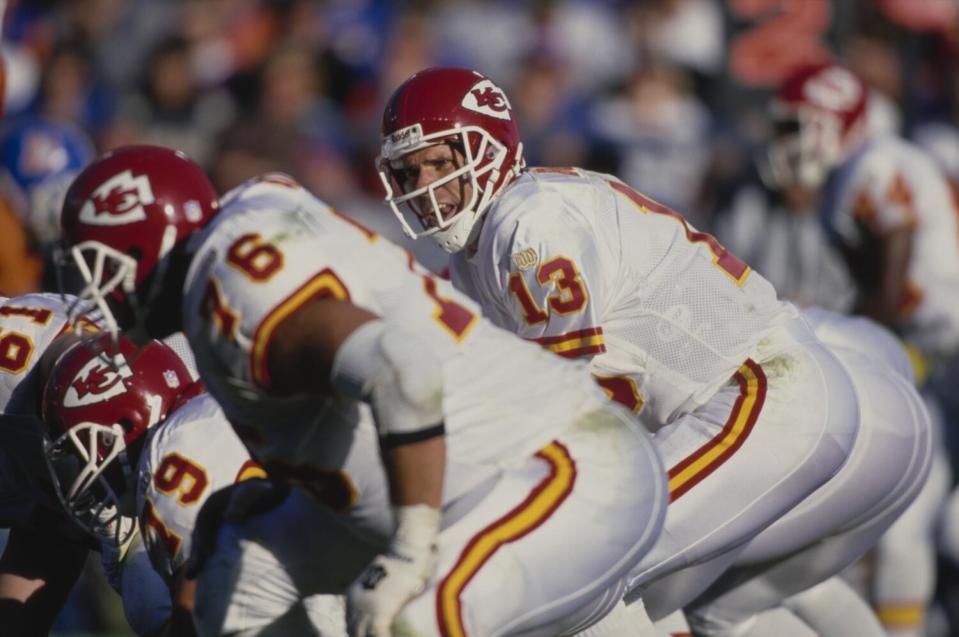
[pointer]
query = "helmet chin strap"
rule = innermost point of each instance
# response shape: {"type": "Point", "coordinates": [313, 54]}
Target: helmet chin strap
{"type": "Point", "coordinates": [453, 239]}
{"type": "Point", "coordinates": [138, 331]}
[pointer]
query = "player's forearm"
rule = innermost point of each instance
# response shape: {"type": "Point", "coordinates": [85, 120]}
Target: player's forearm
{"type": "Point", "coordinates": [181, 616]}
{"type": "Point", "coordinates": [884, 303]}
{"type": "Point", "coordinates": [37, 572]}
{"type": "Point", "coordinates": [416, 472]}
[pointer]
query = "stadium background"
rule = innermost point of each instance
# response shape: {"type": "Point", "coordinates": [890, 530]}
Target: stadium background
{"type": "Point", "coordinates": [668, 94]}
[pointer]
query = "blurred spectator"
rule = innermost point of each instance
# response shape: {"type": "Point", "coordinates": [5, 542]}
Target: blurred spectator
{"type": "Point", "coordinates": [171, 109]}
{"type": "Point", "coordinates": [662, 133]}
{"type": "Point", "coordinates": [688, 33]}
{"type": "Point", "coordinates": [20, 265]}
{"type": "Point", "coordinates": [488, 36]}
{"type": "Point", "coordinates": [552, 116]}
{"type": "Point", "coordinates": [71, 91]}
{"type": "Point", "coordinates": [21, 77]}
{"type": "Point", "coordinates": [875, 60]}
{"type": "Point", "coordinates": [779, 234]}
{"type": "Point", "coordinates": [291, 112]}
{"type": "Point", "coordinates": [40, 157]}
{"type": "Point", "coordinates": [410, 46]}
{"type": "Point", "coordinates": [590, 37]}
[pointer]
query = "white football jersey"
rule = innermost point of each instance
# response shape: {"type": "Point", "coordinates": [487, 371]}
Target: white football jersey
{"type": "Point", "coordinates": [274, 246]}
{"type": "Point", "coordinates": [192, 454]}
{"type": "Point", "coordinates": [890, 184]}
{"type": "Point", "coordinates": [28, 324]}
{"type": "Point", "coordinates": [584, 265]}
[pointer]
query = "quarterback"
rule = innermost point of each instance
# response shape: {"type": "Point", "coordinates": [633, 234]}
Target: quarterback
{"type": "Point", "coordinates": [752, 414]}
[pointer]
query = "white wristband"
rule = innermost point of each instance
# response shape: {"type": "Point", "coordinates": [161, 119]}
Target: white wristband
{"type": "Point", "coordinates": [417, 527]}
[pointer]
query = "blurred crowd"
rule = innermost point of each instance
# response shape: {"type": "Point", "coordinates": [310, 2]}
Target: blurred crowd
{"type": "Point", "coordinates": [669, 95]}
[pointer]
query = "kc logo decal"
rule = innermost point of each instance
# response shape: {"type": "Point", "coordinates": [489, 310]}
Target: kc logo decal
{"type": "Point", "coordinates": [118, 201]}
{"type": "Point", "coordinates": [98, 381]}
{"type": "Point", "coordinates": [488, 99]}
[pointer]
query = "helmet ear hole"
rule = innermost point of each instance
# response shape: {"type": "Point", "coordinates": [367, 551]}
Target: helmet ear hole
{"type": "Point", "coordinates": [126, 424]}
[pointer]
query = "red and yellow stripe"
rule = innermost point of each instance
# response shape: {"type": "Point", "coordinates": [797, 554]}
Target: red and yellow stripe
{"type": "Point", "coordinates": [901, 616]}
{"type": "Point", "coordinates": [574, 344]}
{"type": "Point", "coordinates": [250, 469]}
{"type": "Point", "coordinates": [324, 285]}
{"type": "Point", "coordinates": [623, 390]}
{"type": "Point", "coordinates": [695, 467]}
{"type": "Point", "coordinates": [544, 499]}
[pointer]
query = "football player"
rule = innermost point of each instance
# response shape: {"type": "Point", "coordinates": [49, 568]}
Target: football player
{"type": "Point", "coordinates": [132, 434]}
{"type": "Point", "coordinates": [884, 203]}
{"type": "Point", "coordinates": [45, 551]}
{"type": "Point", "coordinates": [752, 413]}
{"type": "Point", "coordinates": [478, 458]}
{"type": "Point", "coordinates": [901, 571]}
{"type": "Point", "coordinates": [889, 210]}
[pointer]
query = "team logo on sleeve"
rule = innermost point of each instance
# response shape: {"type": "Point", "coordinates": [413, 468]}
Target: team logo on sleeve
{"type": "Point", "coordinates": [118, 201]}
{"type": "Point", "coordinates": [488, 99]}
{"type": "Point", "coordinates": [525, 259]}
{"type": "Point", "coordinates": [97, 381]}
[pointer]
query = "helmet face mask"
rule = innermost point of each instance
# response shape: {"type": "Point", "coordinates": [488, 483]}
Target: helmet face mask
{"type": "Point", "coordinates": [122, 218]}
{"type": "Point", "coordinates": [466, 111]}
{"type": "Point", "coordinates": [93, 479]}
{"type": "Point", "coordinates": [98, 405]}
{"type": "Point", "coordinates": [805, 150]}
{"type": "Point", "coordinates": [110, 286]}
{"type": "Point", "coordinates": [475, 173]}
{"type": "Point", "coordinates": [103, 271]}
{"type": "Point", "coordinates": [819, 117]}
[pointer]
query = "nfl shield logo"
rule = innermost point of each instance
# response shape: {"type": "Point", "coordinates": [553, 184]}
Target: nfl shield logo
{"type": "Point", "coordinates": [172, 380]}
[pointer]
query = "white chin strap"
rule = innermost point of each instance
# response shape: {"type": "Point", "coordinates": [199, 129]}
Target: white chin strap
{"type": "Point", "coordinates": [455, 237]}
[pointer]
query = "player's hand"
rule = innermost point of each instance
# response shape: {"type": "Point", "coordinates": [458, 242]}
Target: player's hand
{"type": "Point", "coordinates": [378, 594]}
{"type": "Point", "coordinates": [116, 536]}
{"type": "Point", "coordinates": [391, 580]}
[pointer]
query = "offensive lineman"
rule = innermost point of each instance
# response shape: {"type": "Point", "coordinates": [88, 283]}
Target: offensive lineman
{"type": "Point", "coordinates": [176, 449]}
{"type": "Point", "coordinates": [45, 550]}
{"type": "Point", "coordinates": [495, 455]}
{"type": "Point", "coordinates": [889, 211]}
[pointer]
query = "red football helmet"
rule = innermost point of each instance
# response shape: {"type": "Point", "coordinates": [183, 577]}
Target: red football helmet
{"type": "Point", "coordinates": [122, 217]}
{"type": "Point", "coordinates": [97, 405]}
{"type": "Point", "coordinates": [820, 117]}
{"type": "Point", "coordinates": [466, 109]}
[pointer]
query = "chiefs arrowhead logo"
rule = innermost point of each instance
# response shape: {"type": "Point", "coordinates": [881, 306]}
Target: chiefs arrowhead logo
{"type": "Point", "coordinates": [488, 99]}
{"type": "Point", "coordinates": [118, 201]}
{"type": "Point", "coordinates": [835, 89]}
{"type": "Point", "coordinates": [97, 382]}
